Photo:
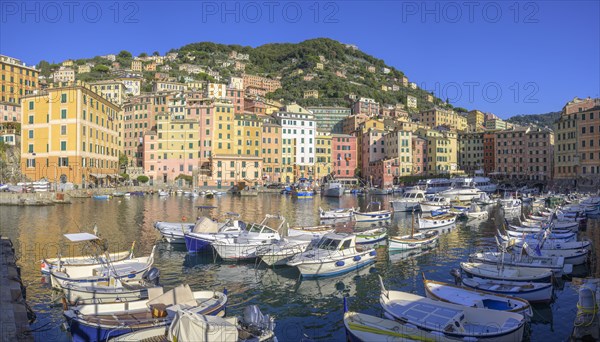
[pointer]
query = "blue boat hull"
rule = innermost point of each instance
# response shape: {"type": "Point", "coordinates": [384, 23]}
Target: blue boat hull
{"type": "Point", "coordinates": [336, 273]}
{"type": "Point", "coordinates": [194, 244]}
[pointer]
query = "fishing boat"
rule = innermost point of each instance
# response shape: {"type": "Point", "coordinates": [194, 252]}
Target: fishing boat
{"type": "Point", "coordinates": [510, 273]}
{"type": "Point", "coordinates": [379, 191]}
{"type": "Point", "coordinates": [476, 213]}
{"type": "Point", "coordinates": [334, 254]}
{"type": "Point", "coordinates": [280, 252]}
{"type": "Point", "coordinates": [372, 213]}
{"type": "Point", "coordinates": [111, 291]}
{"type": "Point", "coordinates": [361, 327]}
{"type": "Point", "coordinates": [101, 257]}
{"type": "Point", "coordinates": [206, 231]}
{"type": "Point", "coordinates": [451, 320]}
{"type": "Point", "coordinates": [370, 236]}
{"type": "Point", "coordinates": [532, 292]}
{"type": "Point", "coordinates": [187, 325]}
{"type": "Point", "coordinates": [437, 221]}
{"type": "Point", "coordinates": [99, 322]}
{"type": "Point", "coordinates": [477, 299]}
{"type": "Point", "coordinates": [415, 240]}
{"type": "Point", "coordinates": [410, 200]}
{"type": "Point", "coordinates": [302, 190]}
{"type": "Point", "coordinates": [128, 269]}
{"type": "Point", "coordinates": [566, 225]}
{"type": "Point", "coordinates": [333, 189]}
{"type": "Point", "coordinates": [310, 231]}
{"type": "Point", "coordinates": [244, 245]}
{"type": "Point", "coordinates": [336, 214]}
{"type": "Point", "coordinates": [434, 203]}
{"type": "Point", "coordinates": [564, 237]}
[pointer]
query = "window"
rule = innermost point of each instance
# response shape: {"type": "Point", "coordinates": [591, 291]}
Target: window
{"type": "Point", "coordinates": [63, 98]}
{"type": "Point", "coordinates": [63, 161]}
{"type": "Point", "coordinates": [30, 134]}
{"type": "Point", "coordinates": [63, 130]}
{"type": "Point", "coordinates": [30, 105]}
{"type": "Point", "coordinates": [30, 162]}
{"type": "Point", "coordinates": [63, 145]}
{"type": "Point", "coordinates": [63, 113]}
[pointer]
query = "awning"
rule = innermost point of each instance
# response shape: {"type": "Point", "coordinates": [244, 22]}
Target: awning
{"type": "Point", "coordinates": [98, 176]}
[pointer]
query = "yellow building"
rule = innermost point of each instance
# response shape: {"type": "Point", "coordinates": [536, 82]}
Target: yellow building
{"type": "Point", "coordinates": [442, 151]}
{"type": "Point", "coordinates": [248, 132]}
{"type": "Point", "coordinates": [136, 65]}
{"type": "Point", "coordinates": [398, 145]}
{"type": "Point", "coordinates": [223, 141]}
{"type": "Point", "coordinates": [323, 166]}
{"type": "Point", "coordinates": [475, 120]}
{"type": "Point", "coordinates": [112, 90]}
{"type": "Point", "coordinates": [16, 79]}
{"type": "Point", "coordinates": [271, 151]}
{"type": "Point", "coordinates": [442, 117]}
{"type": "Point", "coordinates": [70, 134]}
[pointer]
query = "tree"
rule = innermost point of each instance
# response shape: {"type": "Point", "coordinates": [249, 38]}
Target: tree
{"type": "Point", "coordinates": [188, 179]}
{"type": "Point", "coordinates": [143, 179]}
{"type": "Point", "coordinates": [156, 53]}
{"type": "Point", "coordinates": [124, 54]}
{"type": "Point", "coordinates": [122, 160]}
{"type": "Point", "coordinates": [143, 54]}
{"type": "Point", "coordinates": [101, 68]}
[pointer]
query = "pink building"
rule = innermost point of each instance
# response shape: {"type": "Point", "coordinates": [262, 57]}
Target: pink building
{"type": "Point", "coordinates": [202, 111]}
{"type": "Point", "coordinates": [525, 153]}
{"type": "Point", "coordinates": [344, 155]}
{"type": "Point", "coordinates": [365, 106]}
{"type": "Point", "coordinates": [10, 112]}
{"type": "Point", "coordinates": [383, 172]}
{"type": "Point", "coordinates": [236, 96]}
{"type": "Point", "coordinates": [419, 155]}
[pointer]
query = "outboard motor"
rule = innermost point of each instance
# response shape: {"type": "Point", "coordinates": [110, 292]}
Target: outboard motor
{"type": "Point", "coordinates": [254, 318]}
{"type": "Point", "coordinates": [152, 276]}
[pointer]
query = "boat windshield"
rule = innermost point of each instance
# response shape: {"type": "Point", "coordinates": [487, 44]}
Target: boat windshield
{"type": "Point", "coordinates": [259, 228]}
{"type": "Point", "coordinates": [329, 244]}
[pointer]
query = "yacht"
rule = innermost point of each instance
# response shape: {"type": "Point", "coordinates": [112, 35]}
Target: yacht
{"type": "Point", "coordinates": [410, 200]}
{"type": "Point", "coordinates": [435, 185]}
{"type": "Point", "coordinates": [434, 203]}
{"type": "Point", "coordinates": [482, 183]}
{"type": "Point", "coordinates": [461, 193]}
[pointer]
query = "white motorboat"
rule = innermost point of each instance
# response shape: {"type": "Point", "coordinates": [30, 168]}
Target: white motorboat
{"type": "Point", "coordinates": [111, 291]}
{"type": "Point", "coordinates": [484, 199]}
{"type": "Point", "coordinates": [424, 240]}
{"type": "Point", "coordinates": [434, 203]}
{"type": "Point", "coordinates": [451, 320]}
{"type": "Point", "coordinates": [461, 193]}
{"type": "Point", "coordinates": [555, 225]}
{"type": "Point", "coordinates": [280, 252]}
{"type": "Point", "coordinates": [244, 245]}
{"type": "Point", "coordinates": [334, 254]}
{"type": "Point", "coordinates": [173, 232]}
{"type": "Point", "coordinates": [511, 273]}
{"type": "Point", "coordinates": [372, 213]}
{"type": "Point", "coordinates": [99, 322]}
{"type": "Point", "coordinates": [314, 232]}
{"type": "Point", "coordinates": [206, 231]}
{"type": "Point", "coordinates": [410, 200]}
{"type": "Point", "coordinates": [432, 222]}
{"type": "Point", "coordinates": [163, 193]}
{"type": "Point", "coordinates": [473, 298]}
{"type": "Point", "coordinates": [435, 185]}
{"type": "Point", "coordinates": [563, 236]}
{"type": "Point", "coordinates": [336, 214]}
{"type": "Point", "coordinates": [532, 292]}
{"type": "Point", "coordinates": [101, 258]}
{"type": "Point", "coordinates": [476, 213]}
{"type": "Point", "coordinates": [333, 189]}
{"type": "Point", "coordinates": [128, 269]}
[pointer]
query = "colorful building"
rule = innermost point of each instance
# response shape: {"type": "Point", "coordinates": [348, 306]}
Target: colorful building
{"type": "Point", "coordinates": [16, 80]}
{"type": "Point", "coordinates": [442, 150]}
{"type": "Point", "coordinates": [70, 134]}
{"type": "Point", "coordinates": [470, 151]}
{"type": "Point", "coordinates": [398, 146]}
{"type": "Point", "coordinates": [365, 106]}
{"type": "Point", "coordinates": [419, 155]}
{"type": "Point", "coordinates": [10, 112]}
{"type": "Point", "coordinates": [298, 135]}
{"type": "Point", "coordinates": [489, 152]}
{"type": "Point", "coordinates": [112, 90]}
{"type": "Point", "coordinates": [525, 153]}
{"type": "Point", "coordinates": [442, 117]}
{"type": "Point", "coordinates": [172, 150]}
{"type": "Point", "coordinates": [372, 149]}
{"type": "Point", "coordinates": [344, 155]}
{"type": "Point", "coordinates": [271, 151]}
{"type": "Point", "coordinates": [323, 166]}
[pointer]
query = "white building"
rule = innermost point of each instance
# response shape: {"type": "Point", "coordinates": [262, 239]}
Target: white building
{"type": "Point", "coordinates": [133, 86]}
{"type": "Point", "coordinates": [411, 101]}
{"type": "Point", "coordinates": [215, 90]}
{"type": "Point", "coordinates": [299, 131]}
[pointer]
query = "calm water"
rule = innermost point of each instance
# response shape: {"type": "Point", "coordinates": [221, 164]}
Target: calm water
{"type": "Point", "coordinates": [311, 308]}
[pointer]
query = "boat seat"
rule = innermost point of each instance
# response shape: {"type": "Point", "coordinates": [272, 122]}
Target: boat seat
{"type": "Point", "coordinates": [494, 287]}
{"type": "Point", "coordinates": [515, 289]}
{"type": "Point", "coordinates": [182, 294]}
{"type": "Point", "coordinates": [154, 292]}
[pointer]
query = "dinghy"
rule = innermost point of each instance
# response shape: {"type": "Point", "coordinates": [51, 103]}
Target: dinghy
{"type": "Point", "coordinates": [372, 213]}
{"type": "Point", "coordinates": [336, 214]}
{"type": "Point", "coordinates": [334, 254]}
{"type": "Point", "coordinates": [476, 213]}
{"type": "Point", "coordinates": [315, 232]}
{"type": "Point", "coordinates": [280, 252]}
{"type": "Point", "coordinates": [528, 258]}
{"type": "Point", "coordinates": [532, 292]}
{"type": "Point", "coordinates": [414, 241]}
{"type": "Point", "coordinates": [371, 236]}
{"type": "Point", "coordinates": [99, 322]}
{"type": "Point", "coordinates": [476, 299]}
{"type": "Point", "coordinates": [510, 273]}
{"type": "Point", "coordinates": [450, 320]}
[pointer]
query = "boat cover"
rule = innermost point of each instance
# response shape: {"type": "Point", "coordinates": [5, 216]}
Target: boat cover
{"type": "Point", "coordinates": [189, 326]}
{"type": "Point", "coordinates": [205, 225]}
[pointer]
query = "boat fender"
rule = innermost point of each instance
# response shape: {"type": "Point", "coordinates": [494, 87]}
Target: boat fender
{"type": "Point", "coordinates": [372, 253]}
{"type": "Point", "coordinates": [340, 263]}
{"type": "Point", "coordinates": [357, 258]}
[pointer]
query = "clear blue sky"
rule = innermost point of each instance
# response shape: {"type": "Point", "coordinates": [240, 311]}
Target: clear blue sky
{"type": "Point", "coordinates": [502, 57]}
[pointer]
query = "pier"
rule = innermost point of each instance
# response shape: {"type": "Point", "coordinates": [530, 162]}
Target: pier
{"type": "Point", "coordinates": [14, 312]}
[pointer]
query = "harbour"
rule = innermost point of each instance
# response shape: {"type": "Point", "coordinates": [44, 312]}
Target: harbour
{"type": "Point", "coordinates": [310, 309]}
